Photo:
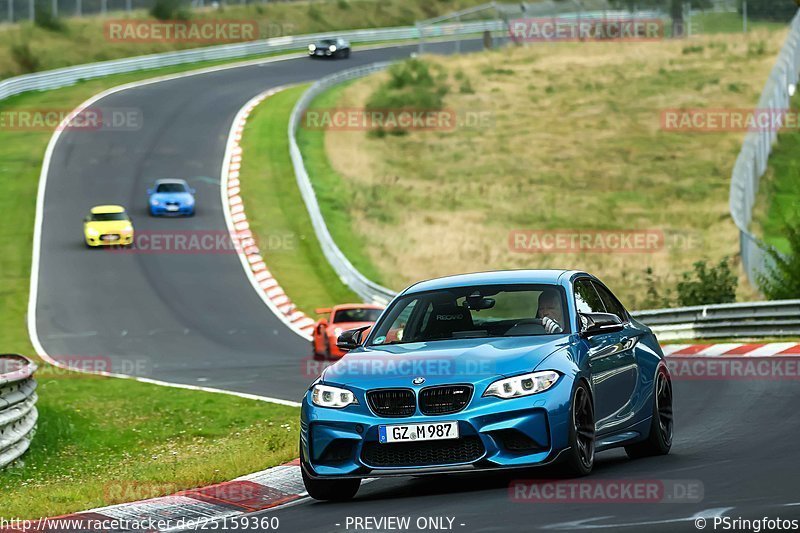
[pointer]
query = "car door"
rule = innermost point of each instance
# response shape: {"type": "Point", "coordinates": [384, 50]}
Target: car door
{"type": "Point", "coordinates": [612, 361]}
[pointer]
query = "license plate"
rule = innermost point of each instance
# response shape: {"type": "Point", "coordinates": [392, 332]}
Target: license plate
{"type": "Point", "coordinates": [172, 208]}
{"type": "Point", "coordinates": [417, 432]}
{"type": "Point", "coordinates": [109, 237]}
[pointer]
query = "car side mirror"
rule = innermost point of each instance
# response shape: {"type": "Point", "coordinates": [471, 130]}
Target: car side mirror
{"type": "Point", "coordinates": [351, 339]}
{"type": "Point", "coordinates": [192, 191]}
{"type": "Point", "coordinates": [87, 218]}
{"type": "Point", "coordinates": [599, 323]}
{"type": "Point", "coordinates": [149, 191]}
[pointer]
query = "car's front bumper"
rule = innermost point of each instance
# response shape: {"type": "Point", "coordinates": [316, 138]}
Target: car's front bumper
{"type": "Point", "coordinates": [494, 434]}
{"type": "Point", "coordinates": [109, 239]}
{"type": "Point", "coordinates": [182, 210]}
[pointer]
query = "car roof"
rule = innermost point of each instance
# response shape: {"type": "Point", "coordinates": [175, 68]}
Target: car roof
{"type": "Point", "coordinates": [107, 209]}
{"type": "Point", "coordinates": [497, 277]}
{"type": "Point", "coordinates": [356, 306]}
{"type": "Point", "coordinates": [171, 180]}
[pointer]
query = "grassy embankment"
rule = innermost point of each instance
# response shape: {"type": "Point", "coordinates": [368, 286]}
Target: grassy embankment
{"type": "Point", "coordinates": [575, 143]}
{"type": "Point", "coordinates": [25, 47]}
{"type": "Point", "coordinates": [97, 433]}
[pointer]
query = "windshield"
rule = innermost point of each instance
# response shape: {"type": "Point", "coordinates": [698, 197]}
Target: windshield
{"type": "Point", "coordinates": [356, 315]}
{"type": "Point", "coordinates": [106, 217]}
{"type": "Point", "coordinates": [171, 187]}
{"type": "Point", "coordinates": [474, 312]}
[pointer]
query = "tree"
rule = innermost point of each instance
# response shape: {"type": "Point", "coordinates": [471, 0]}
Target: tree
{"type": "Point", "coordinates": [673, 7]}
{"type": "Point", "coordinates": [781, 281]}
{"type": "Point", "coordinates": [779, 10]}
{"type": "Point", "coordinates": [715, 285]}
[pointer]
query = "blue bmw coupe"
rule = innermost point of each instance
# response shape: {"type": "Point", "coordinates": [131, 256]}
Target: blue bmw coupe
{"type": "Point", "coordinates": [487, 371]}
{"type": "Point", "coordinates": [171, 197]}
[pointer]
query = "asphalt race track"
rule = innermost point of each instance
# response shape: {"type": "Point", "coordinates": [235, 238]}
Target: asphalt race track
{"type": "Point", "coordinates": [184, 318]}
{"type": "Point", "coordinates": [195, 319]}
{"type": "Point", "coordinates": [735, 439]}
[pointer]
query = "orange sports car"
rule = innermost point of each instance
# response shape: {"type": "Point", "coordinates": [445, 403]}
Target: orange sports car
{"type": "Point", "coordinates": [336, 320]}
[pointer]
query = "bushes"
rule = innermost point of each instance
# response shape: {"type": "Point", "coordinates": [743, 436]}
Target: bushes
{"type": "Point", "coordinates": [169, 10]}
{"type": "Point", "coordinates": [701, 286]}
{"type": "Point", "coordinates": [781, 281]}
{"type": "Point", "coordinates": [26, 59]}
{"type": "Point", "coordinates": [715, 285]}
{"type": "Point", "coordinates": [45, 19]}
{"type": "Point", "coordinates": [778, 10]}
{"type": "Point", "coordinates": [410, 86]}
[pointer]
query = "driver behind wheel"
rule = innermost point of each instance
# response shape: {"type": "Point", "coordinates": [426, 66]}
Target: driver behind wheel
{"type": "Point", "coordinates": [550, 312]}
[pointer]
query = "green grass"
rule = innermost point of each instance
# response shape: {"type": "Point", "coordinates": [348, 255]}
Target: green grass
{"type": "Point", "coordinates": [779, 199]}
{"type": "Point", "coordinates": [94, 431]}
{"type": "Point", "coordinates": [334, 193]}
{"type": "Point", "coordinates": [433, 203]}
{"type": "Point", "coordinates": [729, 23]}
{"type": "Point", "coordinates": [103, 441]}
{"type": "Point", "coordinates": [276, 210]}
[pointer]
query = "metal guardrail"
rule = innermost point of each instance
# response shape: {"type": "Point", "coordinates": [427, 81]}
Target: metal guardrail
{"type": "Point", "coordinates": [753, 159]}
{"type": "Point", "coordinates": [18, 414]}
{"type": "Point", "coordinates": [350, 276]}
{"type": "Point", "coordinates": [780, 318]}
{"type": "Point", "coordinates": [738, 320]}
{"type": "Point", "coordinates": [53, 79]}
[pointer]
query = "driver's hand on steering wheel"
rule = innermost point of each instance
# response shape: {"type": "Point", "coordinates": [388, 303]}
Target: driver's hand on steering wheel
{"type": "Point", "coordinates": [551, 326]}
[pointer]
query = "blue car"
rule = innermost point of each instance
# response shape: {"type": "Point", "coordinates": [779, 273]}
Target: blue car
{"type": "Point", "coordinates": [171, 197]}
{"type": "Point", "coordinates": [487, 371]}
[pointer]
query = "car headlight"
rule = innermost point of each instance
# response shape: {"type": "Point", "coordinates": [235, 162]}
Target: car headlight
{"type": "Point", "coordinates": [128, 229]}
{"type": "Point", "coordinates": [93, 232]}
{"type": "Point", "coordinates": [337, 332]}
{"type": "Point", "coordinates": [523, 385]}
{"type": "Point", "coordinates": [334, 397]}
{"type": "Point", "coordinates": [153, 201]}
{"type": "Point", "coordinates": [312, 47]}
{"type": "Point", "coordinates": [332, 48]}
{"type": "Point", "coordinates": [189, 200]}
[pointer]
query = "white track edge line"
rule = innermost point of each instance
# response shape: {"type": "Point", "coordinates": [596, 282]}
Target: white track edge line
{"type": "Point", "coordinates": [39, 219]}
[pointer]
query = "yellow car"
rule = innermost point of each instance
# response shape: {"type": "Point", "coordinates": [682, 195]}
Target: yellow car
{"type": "Point", "coordinates": [108, 225]}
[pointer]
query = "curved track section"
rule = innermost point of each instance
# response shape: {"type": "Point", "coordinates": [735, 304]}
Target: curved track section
{"type": "Point", "coordinates": [184, 318]}
{"type": "Point", "coordinates": [196, 319]}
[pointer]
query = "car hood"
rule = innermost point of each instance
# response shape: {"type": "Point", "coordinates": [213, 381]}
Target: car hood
{"type": "Point", "coordinates": [109, 225]}
{"type": "Point", "coordinates": [182, 197]}
{"type": "Point", "coordinates": [447, 361]}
